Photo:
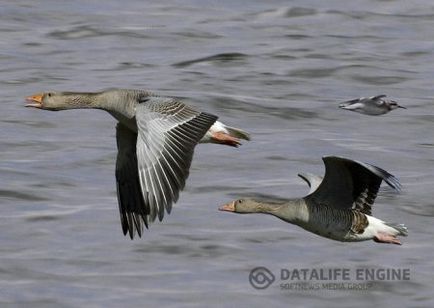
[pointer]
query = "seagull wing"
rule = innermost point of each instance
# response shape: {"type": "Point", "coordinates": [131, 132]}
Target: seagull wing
{"type": "Point", "coordinates": [351, 102]}
{"type": "Point", "coordinates": [378, 99]}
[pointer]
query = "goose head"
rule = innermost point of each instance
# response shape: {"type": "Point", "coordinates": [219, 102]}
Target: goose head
{"type": "Point", "coordinates": [55, 101]}
{"type": "Point", "coordinates": [243, 206]}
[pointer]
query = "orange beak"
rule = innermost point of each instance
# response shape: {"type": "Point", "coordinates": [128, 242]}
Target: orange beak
{"type": "Point", "coordinates": [35, 100]}
{"type": "Point", "coordinates": [230, 207]}
{"type": "Point", "coordinates": [223, 138]}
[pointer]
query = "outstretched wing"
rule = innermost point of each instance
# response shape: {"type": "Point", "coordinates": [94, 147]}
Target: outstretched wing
{"type": "Point", "coordinates": [168, 131]}
{"type": "Point", "coordinates": [154, 164]}
{"type": "Point", "coordinates": [132, 208]}
{"type": "Point", "coordinates": [350, 184]}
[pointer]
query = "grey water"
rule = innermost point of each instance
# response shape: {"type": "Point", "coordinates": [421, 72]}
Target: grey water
{"type": "Point", "coordinates": [277, 69]}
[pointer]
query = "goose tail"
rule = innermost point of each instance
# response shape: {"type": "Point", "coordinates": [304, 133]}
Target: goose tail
{"type": "Point", "coordinates": [401, 228]}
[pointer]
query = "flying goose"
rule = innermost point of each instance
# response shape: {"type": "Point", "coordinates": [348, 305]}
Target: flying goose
{"type": "Point", "coordinates": [156, 137]}
{"type": "Point", "coordinates": [374, 105]}
{"type": "Point", "coordinates": [340, 207]}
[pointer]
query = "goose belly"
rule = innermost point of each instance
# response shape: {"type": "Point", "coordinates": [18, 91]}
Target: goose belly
{"type": "Point", "coordinates": [336, 224]}
{"type": "Point", "coordinates": [336, 229]}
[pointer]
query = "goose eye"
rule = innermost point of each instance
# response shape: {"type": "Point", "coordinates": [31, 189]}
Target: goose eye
{"type": "Point", "coordinates": [239, 201]}
{"type": "Point", "coordinates": [49, 94]}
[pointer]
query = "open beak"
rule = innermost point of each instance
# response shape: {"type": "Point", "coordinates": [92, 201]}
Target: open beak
{"type": "Point", "coordinates": [223, 138]}
{"type": "Point", "coordinates": [230, 207]}
{"type": "Point", "coordinates": [34, 101]}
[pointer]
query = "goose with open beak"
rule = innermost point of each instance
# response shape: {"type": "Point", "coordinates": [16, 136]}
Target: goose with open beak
{"type": "Point", "coordinates": [156, 137]}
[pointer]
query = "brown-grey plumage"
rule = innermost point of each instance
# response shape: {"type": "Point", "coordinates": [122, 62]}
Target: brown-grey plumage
{"type": "Point", "coordinates": [340, 208]}
{"type": "Point", "coordinates": [156, 137]}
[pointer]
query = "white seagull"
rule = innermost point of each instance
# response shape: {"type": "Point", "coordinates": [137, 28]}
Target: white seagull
{"type": "Point", "coordinates": [374, 105]}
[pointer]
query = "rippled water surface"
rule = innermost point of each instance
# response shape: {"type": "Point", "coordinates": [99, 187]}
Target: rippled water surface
{"type": "Point", "coordinates": [277, 69]}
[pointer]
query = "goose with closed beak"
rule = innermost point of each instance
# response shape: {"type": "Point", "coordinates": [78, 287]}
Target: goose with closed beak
{"type": "Point", "coordinates": [374, 105]}
{"type": "Point", "coordinates": [340, 207]}
{"type": "Point", "coordinates": [156, 137]}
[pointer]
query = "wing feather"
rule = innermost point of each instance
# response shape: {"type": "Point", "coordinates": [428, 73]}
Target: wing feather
{"type": "Point", "coordinates": [350, 184]}
{"type": "Point", "coordinates": [168, 131]}
{"type": "Point", "coordinates": [132, 207]}
{"type": "Point", "coordinates": [153, 164]}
